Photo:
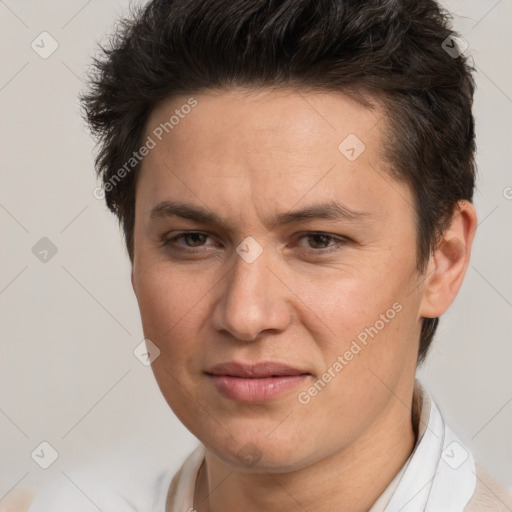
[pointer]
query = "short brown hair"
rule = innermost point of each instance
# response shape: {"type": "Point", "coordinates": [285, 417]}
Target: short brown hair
{"type": "Point", "coordinates": [392, 51]}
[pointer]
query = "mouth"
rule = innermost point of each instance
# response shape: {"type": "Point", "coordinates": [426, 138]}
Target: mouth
{"type": "Point", "coordinates": [259, 382]}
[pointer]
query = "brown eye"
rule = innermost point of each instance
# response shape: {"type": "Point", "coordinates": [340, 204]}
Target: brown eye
{"type": "Point", "coordinates": [186, 240]}
{"type": "Point", "coordinates": [194, 239]}
{"type": "Point", "coordinates": [319, 241]}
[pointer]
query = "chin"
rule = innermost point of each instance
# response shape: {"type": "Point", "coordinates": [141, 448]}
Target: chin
{"type": "Point", "coordinates": [259, 454]}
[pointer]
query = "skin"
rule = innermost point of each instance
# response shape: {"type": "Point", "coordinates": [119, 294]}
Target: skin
{"type": "Point", "coordinates": [248, 155]}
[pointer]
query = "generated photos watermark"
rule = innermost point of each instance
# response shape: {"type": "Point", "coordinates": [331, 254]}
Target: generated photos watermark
{"type": "Point", "coordinates": [150, 143]}
{"type": "Point", "coordinates": [357, 345]}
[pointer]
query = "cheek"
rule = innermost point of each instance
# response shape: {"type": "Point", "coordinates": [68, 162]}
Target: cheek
{"type": "Point", "coordinates": [367, 356]}
{"type": "Point", "coordinates": [369, 320]}
{"type": "Point", "coordinates": [171, 307]}
{"type": "Point", "coordinates": [344, 305]}
{"type": "Point", "coordinates": [168, 299]}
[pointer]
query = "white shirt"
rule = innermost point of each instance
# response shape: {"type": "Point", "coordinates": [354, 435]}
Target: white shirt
{"type": "Point", "coordinates": [439, 475]}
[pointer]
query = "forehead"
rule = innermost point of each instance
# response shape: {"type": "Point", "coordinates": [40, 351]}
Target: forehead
{"type": "Point", "coordinates": [279, 118]}
{"type": "Point", "coordinates": [274, 146]}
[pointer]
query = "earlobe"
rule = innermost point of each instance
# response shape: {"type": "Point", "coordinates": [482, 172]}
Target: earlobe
{"type": "Point", "coordinates": [449, 261]}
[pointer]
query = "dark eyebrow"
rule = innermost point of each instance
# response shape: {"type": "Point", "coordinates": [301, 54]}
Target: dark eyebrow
{"type": "Point", "coordinates": [186, 211]}
{"type": "Point", "coordinates": [328, 211]}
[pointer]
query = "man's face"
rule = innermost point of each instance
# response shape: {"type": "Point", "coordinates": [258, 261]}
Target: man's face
{"type": "Point", "coordinates": [336, 297]}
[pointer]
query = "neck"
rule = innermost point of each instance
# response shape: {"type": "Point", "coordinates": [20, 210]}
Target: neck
{"type": "Point", "coordinates": [349, 480]}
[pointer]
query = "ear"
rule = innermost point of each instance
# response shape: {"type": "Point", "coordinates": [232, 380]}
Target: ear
{"type": "Point", "coordinates": [449, 261]}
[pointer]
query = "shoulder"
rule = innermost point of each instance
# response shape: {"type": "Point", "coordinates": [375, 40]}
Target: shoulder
{"type": "Point", "coordinates": [82, 494]}
{"type": "Point", "coordinates": [489, 494]}
{"type": "Point", "coordinates": [89, 490]}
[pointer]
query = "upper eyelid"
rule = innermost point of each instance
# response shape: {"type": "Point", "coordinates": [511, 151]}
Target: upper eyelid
{"type": "Point", "coordinates": [321, 233]}
{"type": "Point", "coordinates": [335, 238]}
{"type": "Point", "coordinates": [301, 234]}
{"type": "Point", "coordinates": [182, 234]}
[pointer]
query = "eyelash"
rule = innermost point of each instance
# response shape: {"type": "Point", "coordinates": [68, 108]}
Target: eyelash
{"type": "Point", "coordinates": [341, 241]}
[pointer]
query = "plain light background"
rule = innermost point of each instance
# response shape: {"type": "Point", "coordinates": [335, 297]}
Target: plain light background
{"type": "Point", "coordinates": [70, 325]}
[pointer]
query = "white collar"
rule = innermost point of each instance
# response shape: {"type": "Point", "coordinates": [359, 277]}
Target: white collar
{"type": "Point", "coordinates": [440, 472]}
{"type": "Point", "coordinates": [438, 475]}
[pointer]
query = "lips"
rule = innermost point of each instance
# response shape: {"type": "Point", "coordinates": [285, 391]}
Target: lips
{"type": "Point", "coordinates": [256, 370]}
{"type": "Point", "coordinates": [255, 382]}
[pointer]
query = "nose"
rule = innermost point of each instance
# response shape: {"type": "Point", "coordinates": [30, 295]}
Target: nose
{"type": "Point", "coordinates": [253, 300]}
